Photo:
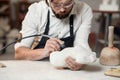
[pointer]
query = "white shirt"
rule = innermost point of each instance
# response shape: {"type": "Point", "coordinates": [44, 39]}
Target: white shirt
{"type": "Point", "coordinates": [36, 19]}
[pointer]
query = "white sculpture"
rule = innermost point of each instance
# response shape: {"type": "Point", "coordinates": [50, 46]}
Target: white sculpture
{"type": "Point", "coordinates": [80, 54]}
{"type": "Point", "coordinates": [109, 5]}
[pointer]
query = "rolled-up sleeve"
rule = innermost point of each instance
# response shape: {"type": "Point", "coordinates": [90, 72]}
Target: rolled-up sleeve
{"type": "Point", "coordinates": [29, 26]}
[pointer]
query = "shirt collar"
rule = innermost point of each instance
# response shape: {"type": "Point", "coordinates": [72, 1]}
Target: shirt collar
{"type": "Point", "coordinates": [74, 11]}
{"type": "Point", "coordinates": [51, 12]}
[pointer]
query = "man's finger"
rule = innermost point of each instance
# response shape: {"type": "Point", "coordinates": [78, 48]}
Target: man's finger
{"type": "Point", "coordinates": [70, 63]}
{"type": "Point", "coordinates": [58, 40]}
{"type": "Point", "coordinates": [54, 44]}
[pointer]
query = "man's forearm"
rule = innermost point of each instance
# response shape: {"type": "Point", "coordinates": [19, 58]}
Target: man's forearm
{"type": "Point", "coordinates": [29, 54]}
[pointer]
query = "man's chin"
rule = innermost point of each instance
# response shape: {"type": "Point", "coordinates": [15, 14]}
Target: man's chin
{"type": "Point", "coordinates": [61, 16]}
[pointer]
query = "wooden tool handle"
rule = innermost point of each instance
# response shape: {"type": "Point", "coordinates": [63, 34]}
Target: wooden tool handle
{"type": "Point", "coordinates": [110, 36]}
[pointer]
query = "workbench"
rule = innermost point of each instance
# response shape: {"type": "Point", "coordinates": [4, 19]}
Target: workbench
{"type": "Point", "coordinates": [43, 70]}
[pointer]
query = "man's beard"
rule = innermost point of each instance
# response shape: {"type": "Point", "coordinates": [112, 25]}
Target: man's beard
{"type": "Point", "coordinates": [61, 16]}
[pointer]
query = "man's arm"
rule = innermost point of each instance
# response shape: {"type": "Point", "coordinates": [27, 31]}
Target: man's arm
{"type": "Point", "coordinates": [51, 45]}
{"type": "Point", "coordinates": [29, 54]}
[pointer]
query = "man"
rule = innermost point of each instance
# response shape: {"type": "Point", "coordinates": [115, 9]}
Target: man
{"type": "Point", "coordinates": [67, 22]}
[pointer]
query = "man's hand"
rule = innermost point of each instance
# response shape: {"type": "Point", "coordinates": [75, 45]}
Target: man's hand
{"type": "Point", "coordinates": [52, 44]}
{"type": "Point", "coordinates": [70, 62]}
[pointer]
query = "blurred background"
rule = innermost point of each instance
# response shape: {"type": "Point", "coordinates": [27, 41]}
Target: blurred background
{"type": "Point", "coordinates": [12, 12]}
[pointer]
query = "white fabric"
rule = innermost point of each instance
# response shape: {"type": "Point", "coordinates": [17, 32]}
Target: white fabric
{"type": "Point", "coordinates": [36, 19]}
